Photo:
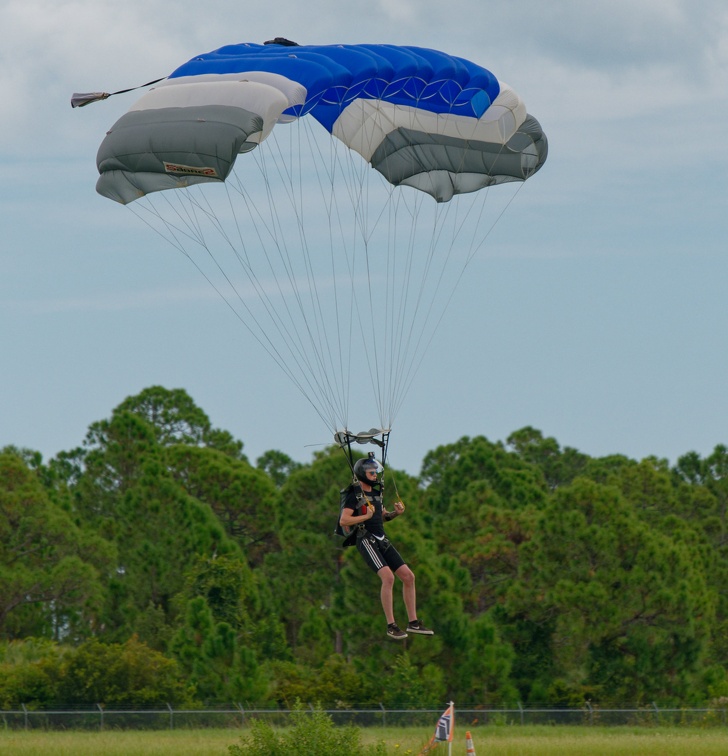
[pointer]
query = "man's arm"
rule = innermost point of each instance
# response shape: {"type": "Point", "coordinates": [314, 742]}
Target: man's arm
{"type": "Point", "coordinates": [348, 518]}
{"type": "Point", "coordinates": [398, 509]}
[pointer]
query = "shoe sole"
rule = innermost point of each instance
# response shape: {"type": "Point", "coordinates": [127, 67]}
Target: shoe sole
{"type": "Point", "coordinates": [397, 637]}
{"type": "Point", "coordinates": [420, 632]}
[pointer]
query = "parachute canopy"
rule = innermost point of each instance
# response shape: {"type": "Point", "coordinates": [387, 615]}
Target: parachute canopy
{"type": "Point", "coordinates": [341, 273]}
{"type": "Point", "coordinates": [420, 117]}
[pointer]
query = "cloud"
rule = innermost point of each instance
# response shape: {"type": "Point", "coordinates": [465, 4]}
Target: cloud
{"type": "Point", "coordinates": [110, 302]}
{"type": "Point", "coordinates": [54, 47]}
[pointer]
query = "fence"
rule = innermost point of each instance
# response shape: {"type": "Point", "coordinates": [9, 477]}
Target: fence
{"type": "Point", "coordinates": [237, 716]}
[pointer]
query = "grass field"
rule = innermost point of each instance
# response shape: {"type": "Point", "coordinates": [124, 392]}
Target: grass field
{"type": "Point", "coordinates": [501, 741]}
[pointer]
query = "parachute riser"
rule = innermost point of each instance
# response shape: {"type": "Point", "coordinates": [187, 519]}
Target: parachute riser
{"type": "Point", "coordinates": [344, 439]}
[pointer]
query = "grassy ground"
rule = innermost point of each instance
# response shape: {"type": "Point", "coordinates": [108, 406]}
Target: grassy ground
{"type": "Point", "coordinates": [490, 741]}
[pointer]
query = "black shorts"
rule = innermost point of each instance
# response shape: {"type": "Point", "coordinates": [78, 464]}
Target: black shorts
{"type": "Point", "coordinates": [379, 553]}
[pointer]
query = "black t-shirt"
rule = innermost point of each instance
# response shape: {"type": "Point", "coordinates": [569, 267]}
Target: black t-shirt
{"type": "Point", "coordinates": [355, 501]}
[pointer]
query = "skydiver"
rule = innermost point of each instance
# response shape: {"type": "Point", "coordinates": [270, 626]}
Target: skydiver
{"type": "Point", "coordinates": [376, 549]}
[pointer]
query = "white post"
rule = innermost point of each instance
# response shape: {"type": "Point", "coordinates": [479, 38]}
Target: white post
{"type": "Point", "coordinates": [452, 730]}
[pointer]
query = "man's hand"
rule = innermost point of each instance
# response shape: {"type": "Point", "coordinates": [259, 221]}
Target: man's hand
{"type": "Point", "coordinates": [398, 507]}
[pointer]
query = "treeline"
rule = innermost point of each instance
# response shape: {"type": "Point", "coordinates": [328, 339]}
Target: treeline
{"type": "Point", "coordinates": [156, 564]}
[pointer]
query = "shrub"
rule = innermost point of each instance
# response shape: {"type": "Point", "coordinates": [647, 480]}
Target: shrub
{"type": "Point", "coordinates": [311, 732]}
{"type": "Point", "coordinates": [129, 674]}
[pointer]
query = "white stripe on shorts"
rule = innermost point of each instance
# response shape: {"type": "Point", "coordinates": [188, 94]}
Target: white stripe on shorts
{"type": "Point", "coordinates": [374, 554]}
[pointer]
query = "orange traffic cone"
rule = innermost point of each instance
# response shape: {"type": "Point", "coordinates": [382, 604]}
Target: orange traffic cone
{"type": "Point", "coordinates": [469, 747]}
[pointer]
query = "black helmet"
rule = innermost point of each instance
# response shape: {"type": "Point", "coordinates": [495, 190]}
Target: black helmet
{"type": "Point", "coordinates": [361, 467]}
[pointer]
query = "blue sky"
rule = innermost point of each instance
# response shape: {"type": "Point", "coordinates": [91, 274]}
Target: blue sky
{"type": "Point", "coordinates": [596, 313]}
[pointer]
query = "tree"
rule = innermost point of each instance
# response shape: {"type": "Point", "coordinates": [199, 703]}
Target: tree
{"type": "Point", "coordinates": [409, 685]}
{"type": "Point", "coordinates": [558, 466]}
{"type": "Point", "coordinates": [453, 468]}
{"type": "Point", "coordinates": [627, 608]}
{"type": "Point", "coordinates": [703, 496]}
{"type": "Point", "coordinates": [242, 498]}
{"type": "Point", "coordinates": [549, 576]}
{"type": "Point", "coordinates": [128, 492]}
{"type": "Point", "coordinates": [220, 667]}
{"type": "Point", "coordinates": [50, 569]}
{"type": "Point", "coordinates": [176, 419]}
{"type": "Point", "coordinates": [277, 465]}
{"type": "Point", "coordinates": [485, 535]}
{"type": "Point", "coordinates": [303, 572]}
{"type": "Point", "coordinates": [232, 592]}
{"type": "Point", "coordinates": [483, 674]}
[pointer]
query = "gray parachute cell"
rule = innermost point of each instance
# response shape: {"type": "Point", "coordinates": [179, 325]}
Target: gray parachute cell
{"type": "Point", "coordinates": [151, 150]}
{"type": "Point", "coordinates": [185, 133]}
{"type": "Point", "coordinates": [443, 166]}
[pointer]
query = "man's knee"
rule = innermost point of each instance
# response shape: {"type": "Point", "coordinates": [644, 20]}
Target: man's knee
{"type": "Point", "coordinates": [386, 576]}
{"type": "Point", "coordinates": [406, 575]}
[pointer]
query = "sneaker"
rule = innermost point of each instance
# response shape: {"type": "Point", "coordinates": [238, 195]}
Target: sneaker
{"type": "Point", "coordinates": [395, 633]}
{"type": "Point", "coordinates": [418, 628]}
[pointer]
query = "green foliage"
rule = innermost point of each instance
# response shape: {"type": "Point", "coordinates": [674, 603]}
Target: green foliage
{"type": "Point", "coordinates": [621, 599]}
{"type": "Point", "coordinates": [485, 673]}
{"type": "Point", "coordinates": [50, 569]}
{"type": "Point", "coordinates": [129, 493]}
{"type": "Point", "coordinates": [242, 498]}
{"type": "Point", "coordinates": [548, 575]}
{"type": "Point", "coordinates": [277, 465]}
{"type": "Point", "coordinates": [128, 674]}
{"type": "Point", "coordinates": [303, 573]}
{"type": "Point", "coordinates": [312, 732]}
{"type": "Point", "coordinates": [451, 469]}
{"type": "Point", "coordinates": [337, 684]}
{"type": "Point", "coordinates": [176, 419]}
{"type": "Point", "coordinates": [218, 665]}
{"type": "Point", "coordinates": [29, 672]}
{"type": "Point", "coordinates": [408, 686]}
{"type": "Point", "coordinates": [558, 466]}
{"type": "Point", "coordinates": [227, 586]}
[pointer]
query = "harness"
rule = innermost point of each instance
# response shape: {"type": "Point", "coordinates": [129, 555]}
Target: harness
{"type": "Point", "coordinates": [345, 439]}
